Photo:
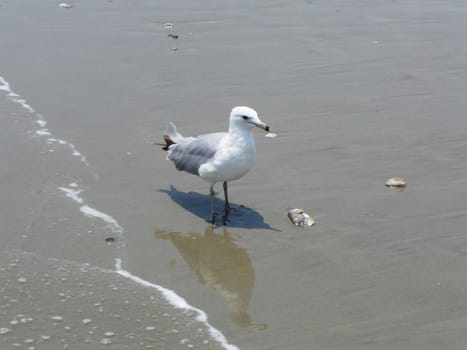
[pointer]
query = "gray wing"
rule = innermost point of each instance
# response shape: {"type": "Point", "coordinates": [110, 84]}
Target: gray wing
{"type": "Point", "coordinates": [189, 156]}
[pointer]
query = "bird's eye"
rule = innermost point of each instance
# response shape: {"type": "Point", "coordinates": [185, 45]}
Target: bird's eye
{"type": "Point", "coordinates": [244, 117]}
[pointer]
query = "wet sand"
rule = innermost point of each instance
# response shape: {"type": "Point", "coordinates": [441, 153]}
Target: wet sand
{"type": "Point", "coordinates": [357, 93]}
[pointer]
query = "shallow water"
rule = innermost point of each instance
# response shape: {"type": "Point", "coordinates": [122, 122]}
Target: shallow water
{"type": "Point", "coordinates": [58, 304]}
{"type": "Point", "coordinates": [357, 93]}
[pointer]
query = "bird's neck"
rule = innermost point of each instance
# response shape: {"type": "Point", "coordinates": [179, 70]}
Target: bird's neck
{"type": "Point", "coordinates": [238, 131]}
{"type": "Point", "coordinates": [243, 134]}
{"type": "Point", "coordinates": [242, 139]}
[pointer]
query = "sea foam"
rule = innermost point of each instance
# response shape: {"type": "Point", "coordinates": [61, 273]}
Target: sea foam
{"type": "Point", "coordinates": [178, 302]}
{"type": "Point", "coordinates": [111, 222]}
{"type": "Point", "coordinates": [42, 131]}
{"type": "Point", "coordinates": [73, 192]}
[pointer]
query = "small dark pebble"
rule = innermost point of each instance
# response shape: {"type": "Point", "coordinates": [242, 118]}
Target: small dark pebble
{"type": "Point", "coordinates": [173, 36]}
{"type": "Point", "coordinates": [110, 239]}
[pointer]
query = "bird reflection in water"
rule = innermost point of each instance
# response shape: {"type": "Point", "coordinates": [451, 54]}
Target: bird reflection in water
{"type": "Point", "coordinates": [221, 265]}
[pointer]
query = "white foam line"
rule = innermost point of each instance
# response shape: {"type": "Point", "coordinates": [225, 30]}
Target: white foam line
{"type": "Point", "coordinates": [177, 301]}
{"type": "Point", "coordinates": [13, 96]}
{"type": "Point", "coordinates": [52, 140]}
{"type": "Point", "coordinates": [21, 101]}
{"type": "Point", "coordinates": [73, 192]}
{"type": "Point", "coordinates": [42, 131]}
{"type": "Point", "coordinates": [94, 213]}
{"type": "Point", "coordinates": [42, 123]}
{"type": "Point", "coordinates": [77, 154]}
{"type": "Point", "coordinates": [5, 86]}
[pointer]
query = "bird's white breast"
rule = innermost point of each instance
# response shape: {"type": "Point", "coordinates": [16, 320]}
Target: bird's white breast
{"type": "Point", "coordinates": [236, 156]}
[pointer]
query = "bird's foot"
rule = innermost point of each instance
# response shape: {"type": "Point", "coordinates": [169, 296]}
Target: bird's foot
{"type": "Point", "coordinates": [225, 219]}
{"type": "Point", "coordinates": [212, 219]}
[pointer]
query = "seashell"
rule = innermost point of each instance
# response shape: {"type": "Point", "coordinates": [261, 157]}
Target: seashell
{"type": "Point", "coordinates": [65, 5]}
{"type": "Point", "coordinates": [271, 135]}
{"type": "Point", "coordinates": [168, 25]}
{"type": "Point", "coordinates": [396, 181]}
{"type": "Point", "coordinates": [300, 218]}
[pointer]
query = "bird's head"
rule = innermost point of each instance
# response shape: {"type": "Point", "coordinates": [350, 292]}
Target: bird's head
{"type": "Point", "coordinates": [245, 118]}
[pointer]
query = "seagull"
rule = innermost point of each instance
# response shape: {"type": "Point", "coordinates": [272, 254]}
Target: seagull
{"type": "Point", "coordinates": [217, 157]}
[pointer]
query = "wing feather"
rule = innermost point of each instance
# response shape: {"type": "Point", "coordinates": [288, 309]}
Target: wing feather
{"type": "Point", "coordinates": [191, 153]}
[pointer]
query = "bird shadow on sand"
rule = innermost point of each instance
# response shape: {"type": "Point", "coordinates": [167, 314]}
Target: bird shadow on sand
{"type": "Point", "coordinates": [200, 205]}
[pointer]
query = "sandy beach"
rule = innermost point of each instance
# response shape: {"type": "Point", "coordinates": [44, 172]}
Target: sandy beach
{"type": "Point", "coordinates": [105, 245]}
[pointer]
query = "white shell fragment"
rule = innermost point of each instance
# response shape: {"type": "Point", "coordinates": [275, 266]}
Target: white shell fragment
{"type": "Point", "coordinates": [270, 134]}
{"type": "Point", "coordinates": [65, 5]}
{"type": "Point", "coordinates": [396, 181]}
{"type": "Point", "coordinates": [168, 25]}
{"type": "Point", "coordinates": [300, 218]}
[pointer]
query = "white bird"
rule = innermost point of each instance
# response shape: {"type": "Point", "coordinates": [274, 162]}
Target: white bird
{"type": "Point", "coordinates": [217, 157]}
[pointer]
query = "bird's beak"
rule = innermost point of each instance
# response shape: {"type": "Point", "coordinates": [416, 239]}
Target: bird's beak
{"type": "Point", "coordinates": [262, 126]}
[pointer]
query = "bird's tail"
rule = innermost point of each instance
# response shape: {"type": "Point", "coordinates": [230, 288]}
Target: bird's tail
{"type": "Point", "coordinates": [167, 144]}
{"type": "Point", "coordinates": [171, 137]}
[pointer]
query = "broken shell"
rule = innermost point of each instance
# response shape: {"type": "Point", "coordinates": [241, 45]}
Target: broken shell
{"type": "Point", "coordinates": [396, 181]}
{"type": "Point", "coordinates": [65, 5]}
{"type": "Point", "coordinates": [300, 218]}
{"type": "Point", "coordinates": [168, 25]}
{"type": "Point", "coordinates": [271, 135]}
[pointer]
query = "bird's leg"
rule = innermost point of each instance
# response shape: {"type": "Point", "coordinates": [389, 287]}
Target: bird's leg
{"type": "Point", "coordinates": [213, 209]}
{"type": "Point", "coordinates": [226, 197]}
{"type": "Point", "coordinates": [226, 203]}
